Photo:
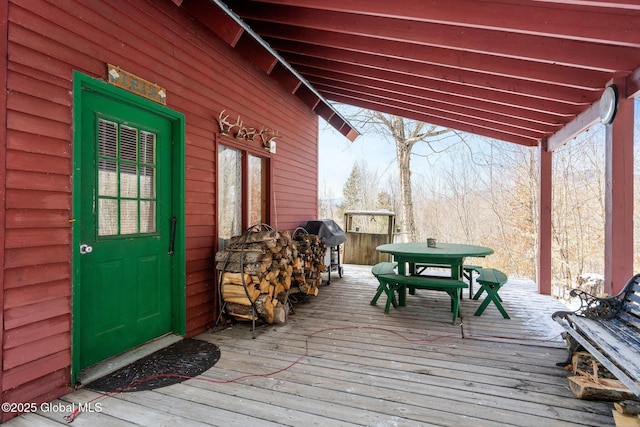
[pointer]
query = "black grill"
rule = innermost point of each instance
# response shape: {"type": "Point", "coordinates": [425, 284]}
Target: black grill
{"type": "Point", "coordinates": [333, 236]}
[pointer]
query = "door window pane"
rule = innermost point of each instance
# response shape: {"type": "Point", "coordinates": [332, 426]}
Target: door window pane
{"type": "Point", "coordinates": [107, 178]}
{"type": "Point", "coordinates": [126, 180]}
{"type": "Point", "coordinates": [128, 216]}
{"type": "Point", "coordinates": [107, 217]}
{"type": "Point", "coordinates": [147, 217]}
{"type": "Point", "coordinates": [147, 182]}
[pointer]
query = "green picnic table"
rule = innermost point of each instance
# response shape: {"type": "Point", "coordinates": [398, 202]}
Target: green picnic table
{"type": "Point", "coordinates": [408, 255]}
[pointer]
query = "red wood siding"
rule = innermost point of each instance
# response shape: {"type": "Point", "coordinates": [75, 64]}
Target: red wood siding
{"type": "Point", "coordinates": [4, 21]}
{"type": "Point", "coordinates": [155, 39]}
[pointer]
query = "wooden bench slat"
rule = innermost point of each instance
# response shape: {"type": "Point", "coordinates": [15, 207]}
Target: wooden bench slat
{"type": "Point", "coordinates": [384, 268]}
{"type": "Point", "coordinates": [491, 275]}
{"type": "Point", "coordinates": [611, 344]}
{"type": "Point", "coordinates": [467, 271]}
{"type": "Point", "coordinates": [630, 319]}
{"type": "Point", "coordinates": [633, 303]}
{"type": "Point", "coordinates": [620, 327]}
{"type": "Point", "coordinates": [425, 282]}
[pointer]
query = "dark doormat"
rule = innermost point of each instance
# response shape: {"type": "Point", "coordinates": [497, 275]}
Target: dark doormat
{"type": "Point", "coordinates": [171, 365]}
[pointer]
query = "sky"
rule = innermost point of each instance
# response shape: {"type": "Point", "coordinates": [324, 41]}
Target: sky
{"type": "Point", "coordinates": [337, 155]}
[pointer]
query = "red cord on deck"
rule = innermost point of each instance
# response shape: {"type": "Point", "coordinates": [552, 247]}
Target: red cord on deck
{"type": "Point", "coordinates": [69, 418]}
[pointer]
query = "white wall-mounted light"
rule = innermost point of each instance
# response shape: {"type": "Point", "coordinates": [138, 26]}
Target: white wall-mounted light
{"type": "Point", "coordinates": [608, 104]}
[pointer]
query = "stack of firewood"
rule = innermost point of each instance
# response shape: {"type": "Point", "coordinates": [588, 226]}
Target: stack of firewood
{"type": "Point", "coordinates": [311, 253]}
{"type": "Point", "coordinates": [258, 269]}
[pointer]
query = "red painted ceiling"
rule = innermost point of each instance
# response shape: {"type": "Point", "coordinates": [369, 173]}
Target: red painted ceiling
{"type": "Point", "coordinates": [522, 71]}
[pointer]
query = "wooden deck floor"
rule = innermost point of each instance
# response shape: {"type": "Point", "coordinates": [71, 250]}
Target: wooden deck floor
{"type": "Point", "coordinates": [358, 366]}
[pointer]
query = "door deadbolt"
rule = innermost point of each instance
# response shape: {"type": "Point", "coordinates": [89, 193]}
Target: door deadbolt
{"type": "Point", "coordinates": [85, 249]}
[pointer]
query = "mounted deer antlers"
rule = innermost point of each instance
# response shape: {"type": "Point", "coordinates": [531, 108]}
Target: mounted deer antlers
{"type": "Point", "coordinates": [226, 125]}
{"type": "Point", "coordinates": [268, 139]}
{"type": "Point", "coordinates": [264, 136]}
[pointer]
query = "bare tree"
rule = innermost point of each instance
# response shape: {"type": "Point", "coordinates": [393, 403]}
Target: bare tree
{"type": "Point", "coordinates": [405, 134]}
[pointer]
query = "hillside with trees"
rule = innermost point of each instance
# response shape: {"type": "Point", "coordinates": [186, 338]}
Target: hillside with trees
{"type": "Point", "coordinates": [481, 191]}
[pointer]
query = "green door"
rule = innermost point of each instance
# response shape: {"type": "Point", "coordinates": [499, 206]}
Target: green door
{"type": "Point", "coordinates": [125, 230]}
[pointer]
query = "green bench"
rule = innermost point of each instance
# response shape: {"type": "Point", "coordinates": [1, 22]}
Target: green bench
{"type": "Point", "coordinates": [390, 282]}
{"type": "Point", "coordinates": [385, 268]}
{"type": "Point", "coordinates": [467, 271]}
{"type": "Point", "coordinates": [490, 280]}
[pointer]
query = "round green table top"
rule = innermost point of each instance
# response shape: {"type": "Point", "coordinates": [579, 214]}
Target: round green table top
{"type": "Point", "coordinates": [441, 250]}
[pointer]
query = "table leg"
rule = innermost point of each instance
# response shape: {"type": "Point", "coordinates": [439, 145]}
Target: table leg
{"type": "Point", "coordinates": [402, 290]}
{"type": "Point", "coordinates": [457, 273]}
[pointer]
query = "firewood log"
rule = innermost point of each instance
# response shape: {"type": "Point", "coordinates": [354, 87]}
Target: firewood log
{"type": "Point", "coordinates": [247, 257]}
{"type": "Point", "coordinates": [240, 311]}
{"type": "Point", "coordinates": [309, 289]}
{"type": "Point", "coordinates": [279, 313]}
{"type": "Point", "coordinates": [236, 279]}
{"type": "Point", "coordinates": [252, 268]}
{"type": "Point", "coordinates": [249, 247]}
{"type": "Point", "coordinates": [253, 237]}
{"type": "Point", "coordinates": [264, 307]}
{"type": "Point", "coordinates": [240, 294]}
{"type": "Point", "coordinates": [264, 285]}
{"type": "Point", "coordinates": [629, 407]}
{"type": "Point", "coordinates": [286, 282]}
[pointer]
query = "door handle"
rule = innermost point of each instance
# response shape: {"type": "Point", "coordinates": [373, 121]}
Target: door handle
{"type": "Point", "coordinates": [85, 249]}
{"type": "Point", "coordinates": [172, 237]}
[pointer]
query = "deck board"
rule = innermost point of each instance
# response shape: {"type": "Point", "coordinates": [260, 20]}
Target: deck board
{"type": "Point", "coordinates": [359, 366]}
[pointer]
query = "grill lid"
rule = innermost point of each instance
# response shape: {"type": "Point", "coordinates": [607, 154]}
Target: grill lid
{"type": "Point", "coordinates": [330, 232]}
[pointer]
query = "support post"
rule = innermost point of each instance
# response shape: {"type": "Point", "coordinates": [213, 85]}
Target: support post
{"type": "Point", "coordinates": [618, 238]}
{"type": "Point", "coordinates": [544, 219]}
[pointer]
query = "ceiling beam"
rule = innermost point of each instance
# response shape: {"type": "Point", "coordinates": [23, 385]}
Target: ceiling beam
{"type": "Point", "coordinates": [439, 121]}
{"type": "Point", "coordinates": [628, 87]}
{"type": "Point", "coordinates": [433, 55]}
{"type": "Point", "coordinates": [438, 118]}
{"type": "Point", "coordinates": [485, 99]}
{"type": "Point", "coordinates": [633, 84]}
{"type": "Point", "coordinates": [430, 106]}
{"type": "Point", "coordinates": [216, 16]}
{"type": "Point", "coordinates": [581, 122]}
{"type": "Point", "coordinates": [510, 85]}
{"type": "Point", "coordinates": [216, 20]}
{"type": "Point", "coordinates": [550, 50]}
{"type": "Point", "coordinates": [251, 49]}
{"type": "Point", "coordinates": [577, 21]}
{"type": "Point", "coordinates": [286, 78]}
{"type": "Point", "coordinates": [522, 71]}
{"type": "Point", "coordinates": [515, 112]}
